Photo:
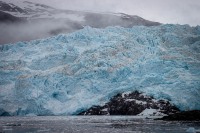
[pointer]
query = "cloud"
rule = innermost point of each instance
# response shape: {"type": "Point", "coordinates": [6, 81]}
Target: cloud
{"type": "Point", "coordinates": [25, 31]}
{"type": "Point", "coordinates": [165, 11]}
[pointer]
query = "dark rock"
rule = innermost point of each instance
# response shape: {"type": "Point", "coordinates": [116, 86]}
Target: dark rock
{"type": "Point", "coordinates": [183, 116]}
{"type": "Point", "coordinates": [131, 104]}
{"type": "Point", "coordinates": [7, 18]}
{"type": "Point", "coordinates": [10, 7]}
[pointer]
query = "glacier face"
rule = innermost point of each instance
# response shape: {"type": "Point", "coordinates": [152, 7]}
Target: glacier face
{"type": "Point", "coordinates": [66, 74]}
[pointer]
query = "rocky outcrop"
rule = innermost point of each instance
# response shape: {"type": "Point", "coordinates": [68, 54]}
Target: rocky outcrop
{"type": "Point", "coordinates": [131, 104]}
{"type": "Point", "coordinates": [9, 7]}
{"type": "Point", "coordinates": [7, 18]}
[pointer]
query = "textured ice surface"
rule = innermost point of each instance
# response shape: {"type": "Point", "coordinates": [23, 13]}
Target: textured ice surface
{"type": "Point", "coordinates": [69, 73]}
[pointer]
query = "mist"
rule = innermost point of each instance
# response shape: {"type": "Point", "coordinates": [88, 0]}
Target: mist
{"type": "Point", "coordinates": [41, 28]}
{"type": "Point", "coordinates": [26, 31]}
{"type": "Point", "coordinates": [168, 11]}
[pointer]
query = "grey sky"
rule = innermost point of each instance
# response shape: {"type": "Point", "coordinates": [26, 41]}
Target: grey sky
{"type": "Point", "coordinates": [165, 11]}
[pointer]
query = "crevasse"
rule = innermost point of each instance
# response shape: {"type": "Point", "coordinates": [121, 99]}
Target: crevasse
{"type": "Point", "coordinates": [68, 73]}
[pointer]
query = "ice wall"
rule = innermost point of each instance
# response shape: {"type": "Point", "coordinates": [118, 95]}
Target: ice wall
{"type": "Point", "coordinates": [66, 74]}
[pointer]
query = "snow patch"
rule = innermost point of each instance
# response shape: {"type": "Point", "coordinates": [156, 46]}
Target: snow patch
{"type": "Point", "coordinates": [151, 112]}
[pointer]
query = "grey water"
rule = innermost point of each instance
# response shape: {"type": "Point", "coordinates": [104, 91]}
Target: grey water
{"type": "Point", "coordinates": [92, 124]}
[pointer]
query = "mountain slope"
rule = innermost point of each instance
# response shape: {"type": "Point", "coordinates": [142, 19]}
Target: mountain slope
{"type": "Point", "coordinates": [45, 21]}
{"type": "Point", "coordinates": [98, 20]}
{"type": "Point", "coordinates": [70, 73]}
{"type": "Point", "coordinates": [7, 18]}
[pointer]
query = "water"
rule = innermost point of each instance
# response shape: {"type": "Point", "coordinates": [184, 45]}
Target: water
{"type": "Point", "coordinates": [91, 124]}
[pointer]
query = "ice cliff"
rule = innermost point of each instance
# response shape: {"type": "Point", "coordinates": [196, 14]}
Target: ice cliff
{"type": "Point", "coordinates": [69, 73]}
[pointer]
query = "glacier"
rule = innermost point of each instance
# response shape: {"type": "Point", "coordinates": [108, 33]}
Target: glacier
{"type": "Point", "coordinates": [68, 73]}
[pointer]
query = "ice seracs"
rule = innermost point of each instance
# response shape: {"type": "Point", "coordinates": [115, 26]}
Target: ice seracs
{"type": "Point", "coordinates": [69, 73]}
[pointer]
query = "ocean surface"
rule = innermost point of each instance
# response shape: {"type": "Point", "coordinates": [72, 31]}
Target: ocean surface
{"type": "Point", "coordinates": [93, 124]}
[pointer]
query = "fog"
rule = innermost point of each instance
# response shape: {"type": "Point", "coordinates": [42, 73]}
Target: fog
{"type": "Point", "coordinates": [164, 11]}
{"type": "Point", "coordinates": [168, 11]}
{"type": "Point", "coordinates": [14, 32]}
{"type": "Point", "coordinates": [41, 28]}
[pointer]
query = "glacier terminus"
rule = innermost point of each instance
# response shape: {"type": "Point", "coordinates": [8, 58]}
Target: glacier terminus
{"type": "Point", "coordinates": [69, 73]}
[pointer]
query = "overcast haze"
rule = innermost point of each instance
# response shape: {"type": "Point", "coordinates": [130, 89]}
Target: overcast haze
{"type": "Point", "coordinates": [164, 11]}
